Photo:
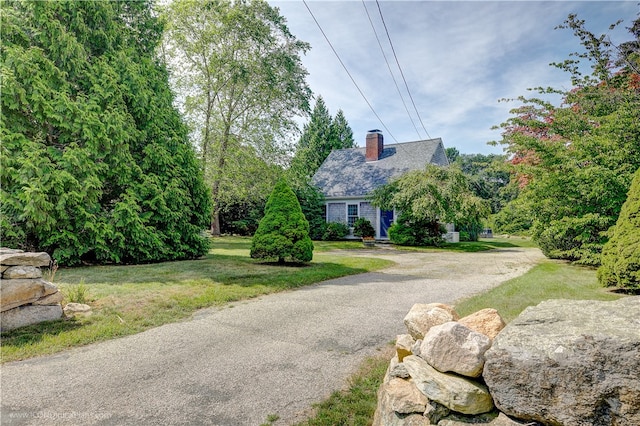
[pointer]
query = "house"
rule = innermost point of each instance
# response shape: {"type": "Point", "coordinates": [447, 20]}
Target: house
{"type": "Point", "coordinates": [347, 176]}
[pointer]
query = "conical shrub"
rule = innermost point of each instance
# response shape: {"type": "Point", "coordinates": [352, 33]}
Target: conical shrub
{"type": "Point", "coordinates": [283, 232]}
{"type": "Point", "coordinates": [621, 254]}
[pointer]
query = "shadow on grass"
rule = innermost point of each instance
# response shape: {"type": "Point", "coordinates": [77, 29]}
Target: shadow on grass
{"type": "Point", "coordinates": [476, 246]}
{"type": "Point", "coordinates": [466, 247]}
{"type": "Point", "coordinates": [35, 333]}
{"type": "Point", "coordinates": [625, 291]}
{"type": "Point", "coordinates": [286, 264]}
{"type": "Point", "coordinates": [211, 269]}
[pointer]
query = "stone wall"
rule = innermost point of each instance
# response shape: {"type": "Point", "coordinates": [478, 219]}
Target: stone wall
{"type": "Point", "coordinates": [26, 298]}
{"type": "Point", "coordinates": [572, 363]}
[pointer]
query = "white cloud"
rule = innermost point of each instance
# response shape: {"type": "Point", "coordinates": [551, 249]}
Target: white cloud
{"type": "Point", "coordinates": [459, 59]}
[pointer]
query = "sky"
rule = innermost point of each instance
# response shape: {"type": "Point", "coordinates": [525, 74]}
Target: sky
{"type": "Point", "coordinates": [459, 59]}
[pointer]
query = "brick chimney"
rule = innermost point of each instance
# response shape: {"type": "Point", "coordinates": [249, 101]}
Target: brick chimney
{"type": "Point", "coordinates": [375, 145]}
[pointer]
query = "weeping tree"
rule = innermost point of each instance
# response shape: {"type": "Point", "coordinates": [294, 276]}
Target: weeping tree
{"type": "Point", "coordinates": [96, 162]}
{"type": "Point", "coordinates": [426, 199]}
{"type": "Point", "coordinates": [283, 232]}
{"type": "Point", "coordinates": [239, 70]}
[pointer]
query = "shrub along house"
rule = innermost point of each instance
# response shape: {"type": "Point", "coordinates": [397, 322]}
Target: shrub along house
{"type": "Point", "coordinates": [347, 176]}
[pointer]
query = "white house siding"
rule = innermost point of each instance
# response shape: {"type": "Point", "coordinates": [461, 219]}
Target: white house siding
{"type": "Point", "coordinates": [337, 212]}
{"type": "Point", "coordinates": [371, 213]}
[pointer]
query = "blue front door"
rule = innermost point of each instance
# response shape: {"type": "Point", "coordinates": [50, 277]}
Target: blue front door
{"type": "Point", "coordinates": [386, 219]}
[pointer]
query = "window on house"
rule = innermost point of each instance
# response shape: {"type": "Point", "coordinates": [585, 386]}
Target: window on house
{"type": "Point", "coordinates": [352, 214]}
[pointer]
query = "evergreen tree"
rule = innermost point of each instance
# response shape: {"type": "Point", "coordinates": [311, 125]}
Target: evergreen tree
{"type": "Point", "coordinates": [621, 254]}
{"type": "Point", "coordinates": [312, 205]}
{"type": "Point", "coordinates": [96, 164]}
{"type": "Point", "coordinates": [321, 135]}
{"type": "Point", "coordinates": [341, 134]}
{"type": "Point", "coordinates": [283, 232]}
{"type": "Point", "coordinates": [313, 146]}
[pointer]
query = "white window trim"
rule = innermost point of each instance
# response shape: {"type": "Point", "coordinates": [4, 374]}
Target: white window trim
{"type": "Point", "coordinates": [357, 215]}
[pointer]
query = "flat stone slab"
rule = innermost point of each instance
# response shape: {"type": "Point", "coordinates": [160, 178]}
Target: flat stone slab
{"type": "Point", "coordinates": [40, 259]}
{"type": "Point", "coordinates": [454, 392]}
{"type": "Point", "coordinates": [14, 293]}
{"type": "Point", "coordinates": [28, 315]}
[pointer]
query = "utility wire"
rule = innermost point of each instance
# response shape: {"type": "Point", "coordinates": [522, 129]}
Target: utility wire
{"type": "Point", "coordinates": [400, 68]}
{"type": "Point", "coordinates": [348, 73]}
{"type": "Point", "coordinates": [389, 68]}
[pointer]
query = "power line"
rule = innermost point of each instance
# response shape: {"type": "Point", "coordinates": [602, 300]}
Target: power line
{"type": "Point", "coordinates": [389, 68]}
{"type": "Point", "coordinates": [348, 73]}
{"type": "Point", "coordinates": [400, 68]}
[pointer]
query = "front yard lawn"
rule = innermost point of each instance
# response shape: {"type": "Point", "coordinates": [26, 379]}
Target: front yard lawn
{"type": "Point", "coordinates": [131, 299]}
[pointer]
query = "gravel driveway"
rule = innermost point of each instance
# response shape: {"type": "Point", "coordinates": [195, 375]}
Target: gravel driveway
{"type": "Point", "coordinates": [276, 354]}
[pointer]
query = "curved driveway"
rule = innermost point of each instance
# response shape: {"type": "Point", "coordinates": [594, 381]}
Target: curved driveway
{"type": "Point", "coordinates": [275, 354]}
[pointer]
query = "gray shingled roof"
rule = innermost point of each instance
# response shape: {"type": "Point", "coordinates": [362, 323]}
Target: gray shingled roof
{"type": "Point", "coordinates": [345, 173]}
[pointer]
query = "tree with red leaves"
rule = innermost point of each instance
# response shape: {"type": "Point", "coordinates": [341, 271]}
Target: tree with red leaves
{"type": "Point", "coordinates": [574, 162]}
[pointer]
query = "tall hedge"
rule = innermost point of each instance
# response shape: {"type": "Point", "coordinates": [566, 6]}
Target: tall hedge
{"type": "Point", "coordinates": [621, 254]}
{"type": "Point", "coordinates": [96, 162]}
{"type": "Point", "coordinates": [283, 232]}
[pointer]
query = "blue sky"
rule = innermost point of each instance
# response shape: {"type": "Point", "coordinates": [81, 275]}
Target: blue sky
{"type": "Point", "coordinates": [459, 59]}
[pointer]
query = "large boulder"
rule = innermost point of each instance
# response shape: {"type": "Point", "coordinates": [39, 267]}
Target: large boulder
{"type": "Point", "coordinates": [423, 316]}
{"type": "Point", "coordinates": [569, 363]}
{"type": "Point", "coordinates": [27, 315]}
{"type": "Point", "coordinates": [14, 293]}
{"type": "Point", "coordinates": [454, 392]}
{"type": "Point", "coordinates": [405, 398]}
{"type": "Point", "coordinates": [453, 347]}
{"type": "Point", "coordinates": [52, 299]}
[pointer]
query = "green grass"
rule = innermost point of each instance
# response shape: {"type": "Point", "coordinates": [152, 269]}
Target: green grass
{"type": "Point", "coordinates": [483, 244]}
{"type": "Point", "coordinates": [241, 245]}
{"type": "Point", "coordinates": [355, 405]}
{"type": "Point", "coordinates": [131, 299]}
{"type": "Point", "coordinates": [548, 280]}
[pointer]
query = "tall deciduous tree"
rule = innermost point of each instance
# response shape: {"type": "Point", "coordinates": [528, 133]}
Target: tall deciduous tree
{"type": "Point", "coordinates": [239, 70]}
{"type": "Point", "coordinates": [575, 161]}
{"type": "Point", "coordinates": [96, 163]}
{"type": "Point", "coordinates": [488, 176]}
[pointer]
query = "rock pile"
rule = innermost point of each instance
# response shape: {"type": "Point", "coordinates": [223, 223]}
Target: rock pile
{"type": "Point", "coordinates": [435, 377]}
{"type": "Point", "coordinates": [562, 362]}
{"type": "Point", "coordinates": [25, 298]}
